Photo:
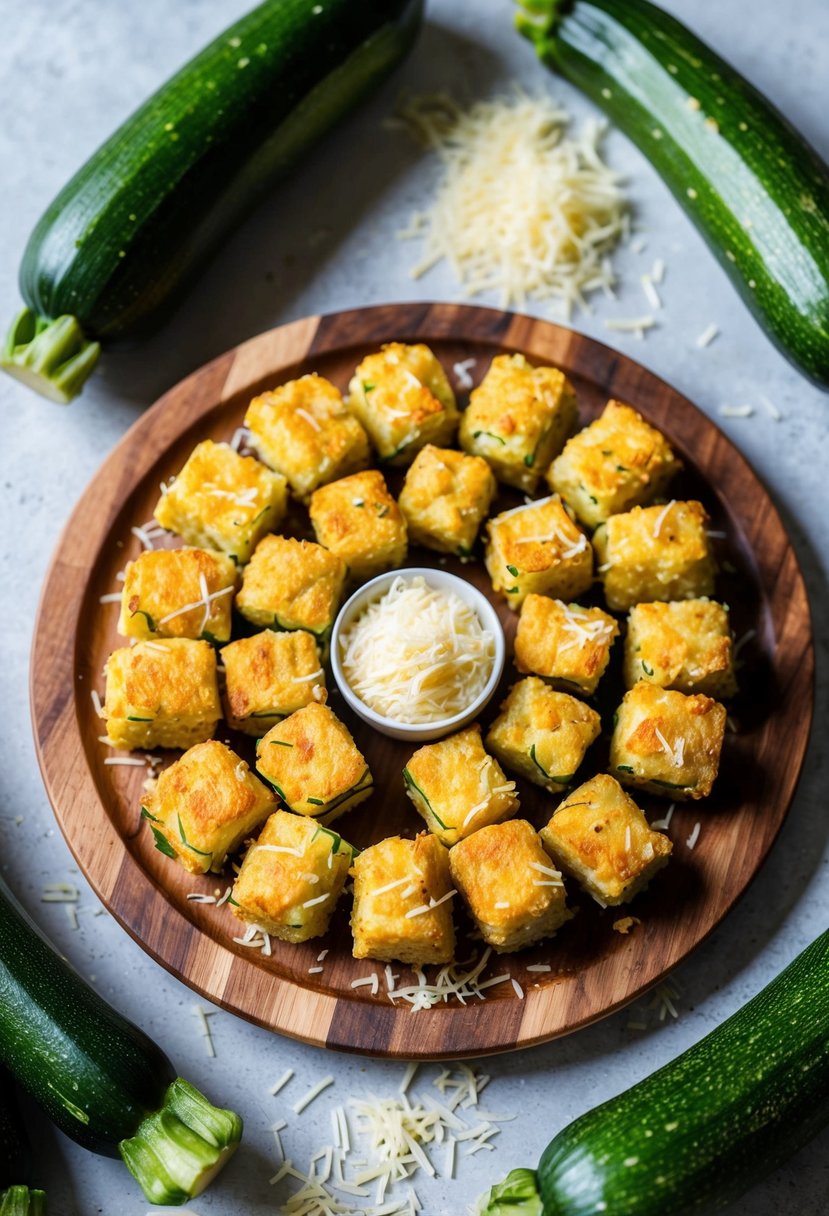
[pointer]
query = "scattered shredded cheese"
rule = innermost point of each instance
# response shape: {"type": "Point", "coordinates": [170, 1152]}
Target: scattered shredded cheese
{"type": "Point", "coordinates": [59, 893]}
{"type": "Point", "coordinates": [522, 210]}
{"type": "Point", "coordinates": [203, 1015]}
{"type": "Point", "coordinates": [309, 418]}
{"type": "Point", "coordinates": [707, 336]}
{"type": "Point", "coordinates": [417, 654]}
{"type": "Point", "coordinates": [651, 294]}
{"type": "Point", "coordinates": [675, 752]}
{"type": "Point", "coordinates": [664, 824]}
{"type": "Point", "coordinates": [390, 886]}
{"type": "Point", "coordinates": [772, 409]}
{"type": "Point", "coordinates": [313, 1092]}
{"type": "Point", "coordinates": [747, 637]}
{"type": "Point", "coordinates": [282, 1082]}
{"type": "Point", "coordinates": [462, 371]}
{"type": "Point", "coordinates": [633, 325]}
{"type": "Point", "coordinates": [241, 437]}
{"type": "Point", "coordinates": [694, 837]}
{"type": "Point", "coordinates": [205, 602]}
{"type": "Point", "coordinates": [144, 537]}
{"type": "Point", "coordinates": [736, 411]}
{"type": "Point", "coordinates": [661, 517]}
{"type": "Point", "coordinates": [408, 1077]}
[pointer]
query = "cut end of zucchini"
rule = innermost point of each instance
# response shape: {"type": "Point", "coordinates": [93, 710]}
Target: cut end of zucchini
{"type": "Point", "coordinates": [517, 1195]}
{"type": "Point", "coordinates": [178, 1150]}
{"type": "Point", "coordinates": [536, 19]}
{"type": "Point", "coordinates": [20, 1201]}
{"type": "Point", "coordinates": [52, 357]}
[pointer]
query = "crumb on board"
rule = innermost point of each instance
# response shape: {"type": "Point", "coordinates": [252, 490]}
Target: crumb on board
{"type": "Point", "coordinates": [625, 923]}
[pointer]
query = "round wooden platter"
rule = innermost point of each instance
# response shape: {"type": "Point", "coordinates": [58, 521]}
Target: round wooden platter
{"type": "Point", "coordinates": [594, 969]}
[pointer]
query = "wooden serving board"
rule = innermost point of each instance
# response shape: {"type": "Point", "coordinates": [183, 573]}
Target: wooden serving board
{"type": "Point", "coordinates": [594, 969]}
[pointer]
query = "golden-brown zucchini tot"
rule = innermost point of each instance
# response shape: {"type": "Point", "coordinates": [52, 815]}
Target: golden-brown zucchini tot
{"type": "Point", "coordinates": [314, 765]}
{"type": "Point", "coordinates": [457, 787]}
{"type": "Point", "coordinates": [178, 593]}
{"type": "Point", "coordinates": [161, 694]}
{"type": "Point", "coordinates": [667, 742]}
{"type": "Point", "coordinates": [538, 548]}
{"type": "Point", "coordinates": [685, 645]}
{"type": "Point", "coordinates": [515, 896]}
{"type": "Point", "coordinates": [445, 499]}
{"type": "Point", "coordinates": [291, 878]}
{"type": "Point", "coordinates": [655, 553]}
{"type": "Point", "coordinates": [402, 397]}
{"type": "Point", "coordinates": [617, 462]}
{"type": "Point", "coordinates": [204, 805]}
{"type": "Point", "coordinates": [292, 584]}
{"type": "Point", "coordinates": [542, 734]}
{"type": "Point", "coordinates": [221, 500]}
{"type": "Point", "coordinates": [518, 419]}
{"type": "Point", "coordinates": [403, 902]}
{"type": "Point", "coordinates": [565, 643]}
{"type": "Point", "coordinates": [269, 676]}
{"type": "Point", "coordinates": [303, 430]}
{"type": "Point", "coordinates": [600, 837]}
{"type": "Point", "coordinates": [358, 519]}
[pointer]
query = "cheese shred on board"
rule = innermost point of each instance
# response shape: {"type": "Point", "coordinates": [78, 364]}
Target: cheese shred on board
{"type": "Point", "coordinates": [522, 208]}
{"type": "Point", "coordinates": [417, 654]}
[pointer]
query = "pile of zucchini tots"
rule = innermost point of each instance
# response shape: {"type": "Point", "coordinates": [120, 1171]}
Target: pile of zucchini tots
{"type": "Point", "coordinates": [607, 518]}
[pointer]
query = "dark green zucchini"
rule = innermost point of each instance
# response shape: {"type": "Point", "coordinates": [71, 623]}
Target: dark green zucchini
{"type": "Point", "coordinates": [14, 1145]}
{"type": "Point", "coordinates": [15, 1158]}
{"type": "Point", "coordinates": [757, 191]}
{"type": "Point", "coordinates": [98, 1077]}
{"type": "Point", "coordinates": [128, 234]}
{"type": "Point", "coordinates": [695, 1135]}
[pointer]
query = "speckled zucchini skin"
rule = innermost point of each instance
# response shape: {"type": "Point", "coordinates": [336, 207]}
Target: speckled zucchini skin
{"type": "Point", "coordinates": [94, 1074]}
{"type": "Point", "coordinates": [757, 191]}
{"type": "Point", "coordinates": [129, 232]}
{"type": "Point", "coordinates": [699, 1132]}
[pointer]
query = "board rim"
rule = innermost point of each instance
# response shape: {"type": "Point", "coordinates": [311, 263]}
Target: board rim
{"type": "Point", "coordinates": [207, 966]}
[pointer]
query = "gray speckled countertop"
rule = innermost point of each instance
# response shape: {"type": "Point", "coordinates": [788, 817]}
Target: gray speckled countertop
{"type": "Point", "coordinates": [71, 69]}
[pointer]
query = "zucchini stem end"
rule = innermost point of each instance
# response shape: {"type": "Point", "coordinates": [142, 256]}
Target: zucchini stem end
{"type": "Point", "coordinates": [53, 357]}
{"type": "Point", "coordinates": [178, 1150]}
{"type": "Point", "coordinates": [517, 1195]}
{"type": "Point", "coordinates": [20, 1201]}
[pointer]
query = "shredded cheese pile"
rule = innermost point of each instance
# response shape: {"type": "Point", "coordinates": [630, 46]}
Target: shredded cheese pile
{"type": "Point", "coordinates": [380, 1145]}
{"type": "Point", "coordinates": [522, 209]}
{"type": "Point", "coordinates": [417, 654]}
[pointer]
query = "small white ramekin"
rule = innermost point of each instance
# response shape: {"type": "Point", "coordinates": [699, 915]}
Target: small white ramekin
{"type": "Point", "coordinates": [372, 590]}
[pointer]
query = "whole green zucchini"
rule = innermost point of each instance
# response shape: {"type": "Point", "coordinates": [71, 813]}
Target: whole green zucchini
{"type": "Point", "coordinates": [128, 234]}
{"type": "Point", "coordinates": [99, 1078]}
{"type": "Point", "coordinates": [757, 191]}
{"type": "Point", "coordinates": [705, 1127]}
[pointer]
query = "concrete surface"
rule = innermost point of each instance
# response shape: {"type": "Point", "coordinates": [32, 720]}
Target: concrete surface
{"type": "Point", "coordinates": [71, 69]}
